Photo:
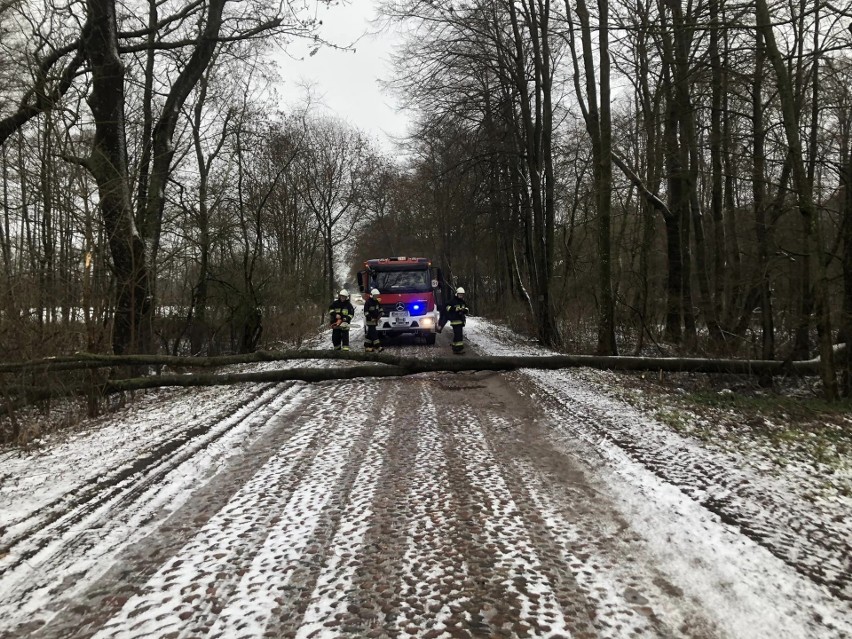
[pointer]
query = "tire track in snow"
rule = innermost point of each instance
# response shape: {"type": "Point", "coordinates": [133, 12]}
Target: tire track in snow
{"type": "Point", "coordinates": [371, 608]}
{"type": "Point", "coordinates": [434, 571]}
{"type": "Point", "coordinates": [79, 501]}
{"type": "Point", "coordinates": [223, 580]}
{"type": "Point", "coordinates": [630, 597]}
{"type": "Point", "coordinates": [315, 597]}
{"type": "Point", "coordinates": [269, 579]}
{"type": "Point", "coordinates": [578, 607]}
{"type": "Point", "coordinates": [98, 523]}
{"type": "Point", "coordinates": [328, 605]}
{"type": "Point", "coordinates": [586, 543]}
{"type": "Point", "coordinates": [511, 592]}
{"type": "Point", "coordinates": [528, 605]}
{"type": "Point", "coordinates": [139, 562]}
{"type": "Point", "coordinates": [576, 535]}
{"type": "Point", "coordinates": [740, 500]}
{"type": "Point", "coordinates": [671, 541]}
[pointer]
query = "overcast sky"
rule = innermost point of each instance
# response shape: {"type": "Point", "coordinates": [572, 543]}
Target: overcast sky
{"type": "Point", "coordinates": [346, 81]}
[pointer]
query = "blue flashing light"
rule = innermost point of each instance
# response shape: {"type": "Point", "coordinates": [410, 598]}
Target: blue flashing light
{"type": "Point", "coordinates": [416, 307]}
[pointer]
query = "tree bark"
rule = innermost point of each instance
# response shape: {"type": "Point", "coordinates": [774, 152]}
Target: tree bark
{"type": "Point", "coordinates": [845, 332]}
{"type": "Point", "coordinates": [598, 119]}
{"type": "Point", "coordinates": [385, 365]}
{"type": "Point", "coordinates": [535, 131]}
{"type": "Point", "coordinates": [717, 119]}
{"type": "Point", "coordinates": [606, 314]}
{"type": "Point", "coordinates": [758, 179]}
{"type": "Point", "coordinates": [676, 204]}
{"type": "Point", "coordinates": [807, 210]}
{"type": "Point", "coordinates": [687, 147]}
{"type": "Point", "coordinates": [109, 167]}
{"type": "Point", "coordinates": [162, 146]}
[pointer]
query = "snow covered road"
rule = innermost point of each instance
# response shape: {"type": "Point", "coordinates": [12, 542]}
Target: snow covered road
{"type": "Point", "coordinates": [440, 505]}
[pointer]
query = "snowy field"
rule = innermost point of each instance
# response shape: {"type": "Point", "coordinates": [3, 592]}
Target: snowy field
{"type": "Point", "coordinates": [529, 504]}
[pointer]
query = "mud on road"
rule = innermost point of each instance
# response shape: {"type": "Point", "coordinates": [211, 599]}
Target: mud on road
{"type": "Point", "coordinates": [433, 506]}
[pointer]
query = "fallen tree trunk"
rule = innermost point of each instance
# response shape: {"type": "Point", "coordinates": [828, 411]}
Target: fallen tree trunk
{"type": "Point", "coordinates": [382, 365]}
{"type": "Point", "coordinates": [85, 361]}
{"type": "Point", "coordinates": [208, 379]}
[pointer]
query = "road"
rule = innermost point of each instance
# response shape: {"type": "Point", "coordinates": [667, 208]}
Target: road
{"type": "Point", "coordinates": [439, 505]}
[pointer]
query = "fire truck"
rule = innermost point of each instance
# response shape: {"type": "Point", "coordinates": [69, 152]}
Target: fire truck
{"type": "Point", "coordinates": [411, 295]}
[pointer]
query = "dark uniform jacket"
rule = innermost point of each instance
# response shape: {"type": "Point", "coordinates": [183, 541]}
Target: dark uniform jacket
{"type": "Point", "coordinates": [455, 312]}
{"type": "Point", "coordinates": [372, 311]}
{"type": "Point", "coordinates": [342, 308]}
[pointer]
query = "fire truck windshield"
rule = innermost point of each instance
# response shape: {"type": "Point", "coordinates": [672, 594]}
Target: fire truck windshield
{"type": "Point", "coordinates": [402, 281]}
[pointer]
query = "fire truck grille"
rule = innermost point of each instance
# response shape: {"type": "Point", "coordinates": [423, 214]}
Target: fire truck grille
{"type": "Point", "coordinates": [387, 309]}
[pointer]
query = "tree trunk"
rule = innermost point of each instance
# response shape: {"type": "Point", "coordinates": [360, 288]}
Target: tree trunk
{"type": "Point", "coordinates": [6, 249]}
{"type": "Point", "coordinates": [535, 132]}
{"type": "Point", "coordinates": [162, 147]}
{"type": "Point", "coordinates": [733, 273]}
{"type": "Point", "coordinates": [804, 189]}
{"type": "Point", "coordinates": [758, 179]}
{"type": "Point", "coordinates": [845, 333]}
{"type": "Point", "coordinates": [606, 316]}
{"type": "Point", "coordinates": [598, 119]}
{"type": "Point", "coordinates": [198, 330]}
{"type": "Point", "coordinates": [375, 366]}
{"type": "Point", "coordinates": [688, 204]}
{"type": "Point", "coordinates": [674, 242]}
{"type": "Point", "coordinates": [109, 167]}
{"type": "Point", "coordinates": [650, 121]}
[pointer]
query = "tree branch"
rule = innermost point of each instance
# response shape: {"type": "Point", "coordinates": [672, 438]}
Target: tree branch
{"type": "Point", "coordinates": [187, 42]}
{"type": "Point", "coordinates": [38, 99]}
{"type": "Point", "coordinates": [655, 201]}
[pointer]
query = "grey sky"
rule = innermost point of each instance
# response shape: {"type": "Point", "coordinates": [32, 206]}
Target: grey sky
{"type": "Point", "coordinates": [346, 82]}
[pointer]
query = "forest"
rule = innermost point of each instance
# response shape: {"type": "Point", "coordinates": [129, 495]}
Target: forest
{"type": "Point", "coordinates": [645, 177]}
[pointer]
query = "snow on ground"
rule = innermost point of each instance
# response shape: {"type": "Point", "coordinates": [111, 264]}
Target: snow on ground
{"type": "Point", "coordinates": [328, 601]}
{"type": "Point", "coordinates": [267, 518]}
{"type": "Point", "coordinates": [69, 535]}
{"type": "Point", "coordinates": [518, 559]}
{"type": "Point", "coordinates": [433, 506]}
{"type": "Point", "coordinates": [31, 481]}
{"type": "Point", "coordinates": [74, 501]}
{"type": "Point", "coordinates": [750, 535]}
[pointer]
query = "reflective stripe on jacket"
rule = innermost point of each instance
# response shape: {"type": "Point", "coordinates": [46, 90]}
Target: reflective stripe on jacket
{"type": "Point", "coordinates": [342, 308]}
{"type": "Point", "coordinates": [372, 311]}
{"type": "Point", "coordinates": [455, 311]}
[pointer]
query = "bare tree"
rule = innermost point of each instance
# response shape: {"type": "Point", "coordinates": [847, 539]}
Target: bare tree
{"type": "Point", "coordinates": [598, 118]}
{"type": "Point", "coordinates": [335, 169]}
{"type": "Point", "coordinates": [95, 42]}
{"type": "Point", "coordinates": [804, 192]}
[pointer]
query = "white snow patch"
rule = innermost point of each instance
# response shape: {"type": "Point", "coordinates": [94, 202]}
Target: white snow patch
{"type": "Point", "coordinates": [718, 567]}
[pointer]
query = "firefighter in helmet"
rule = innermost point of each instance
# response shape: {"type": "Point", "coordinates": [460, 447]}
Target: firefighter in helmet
{"type": "Point", "coordinates": [455, 312]}
{"type": "Point", "coordinates": [372, 315]}
{"type": "Point", "coordinates": [340, 314]}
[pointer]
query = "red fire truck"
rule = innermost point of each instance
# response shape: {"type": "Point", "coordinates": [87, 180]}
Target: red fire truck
{"type": "Point", "coordinates": [411, 295]}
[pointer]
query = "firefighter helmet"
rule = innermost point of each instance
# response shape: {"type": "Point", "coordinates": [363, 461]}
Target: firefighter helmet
{"type": "Point", "coordinates": [375, 292]}
{"type": "Point", "coordinates": [459, 291]}
{"type": "Point", "coordinates": [343, 293]}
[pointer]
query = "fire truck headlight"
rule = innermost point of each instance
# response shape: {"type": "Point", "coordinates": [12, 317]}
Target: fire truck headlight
{"type": "Point", "coordinates": [427, 322]}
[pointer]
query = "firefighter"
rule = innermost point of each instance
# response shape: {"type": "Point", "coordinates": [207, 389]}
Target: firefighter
{"type": "Point", "coordinates": [455, 312]}
{"type": "Point", "coordinates": [340, 314]}
{"type": "Point", "coordinates": [372, 315]}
